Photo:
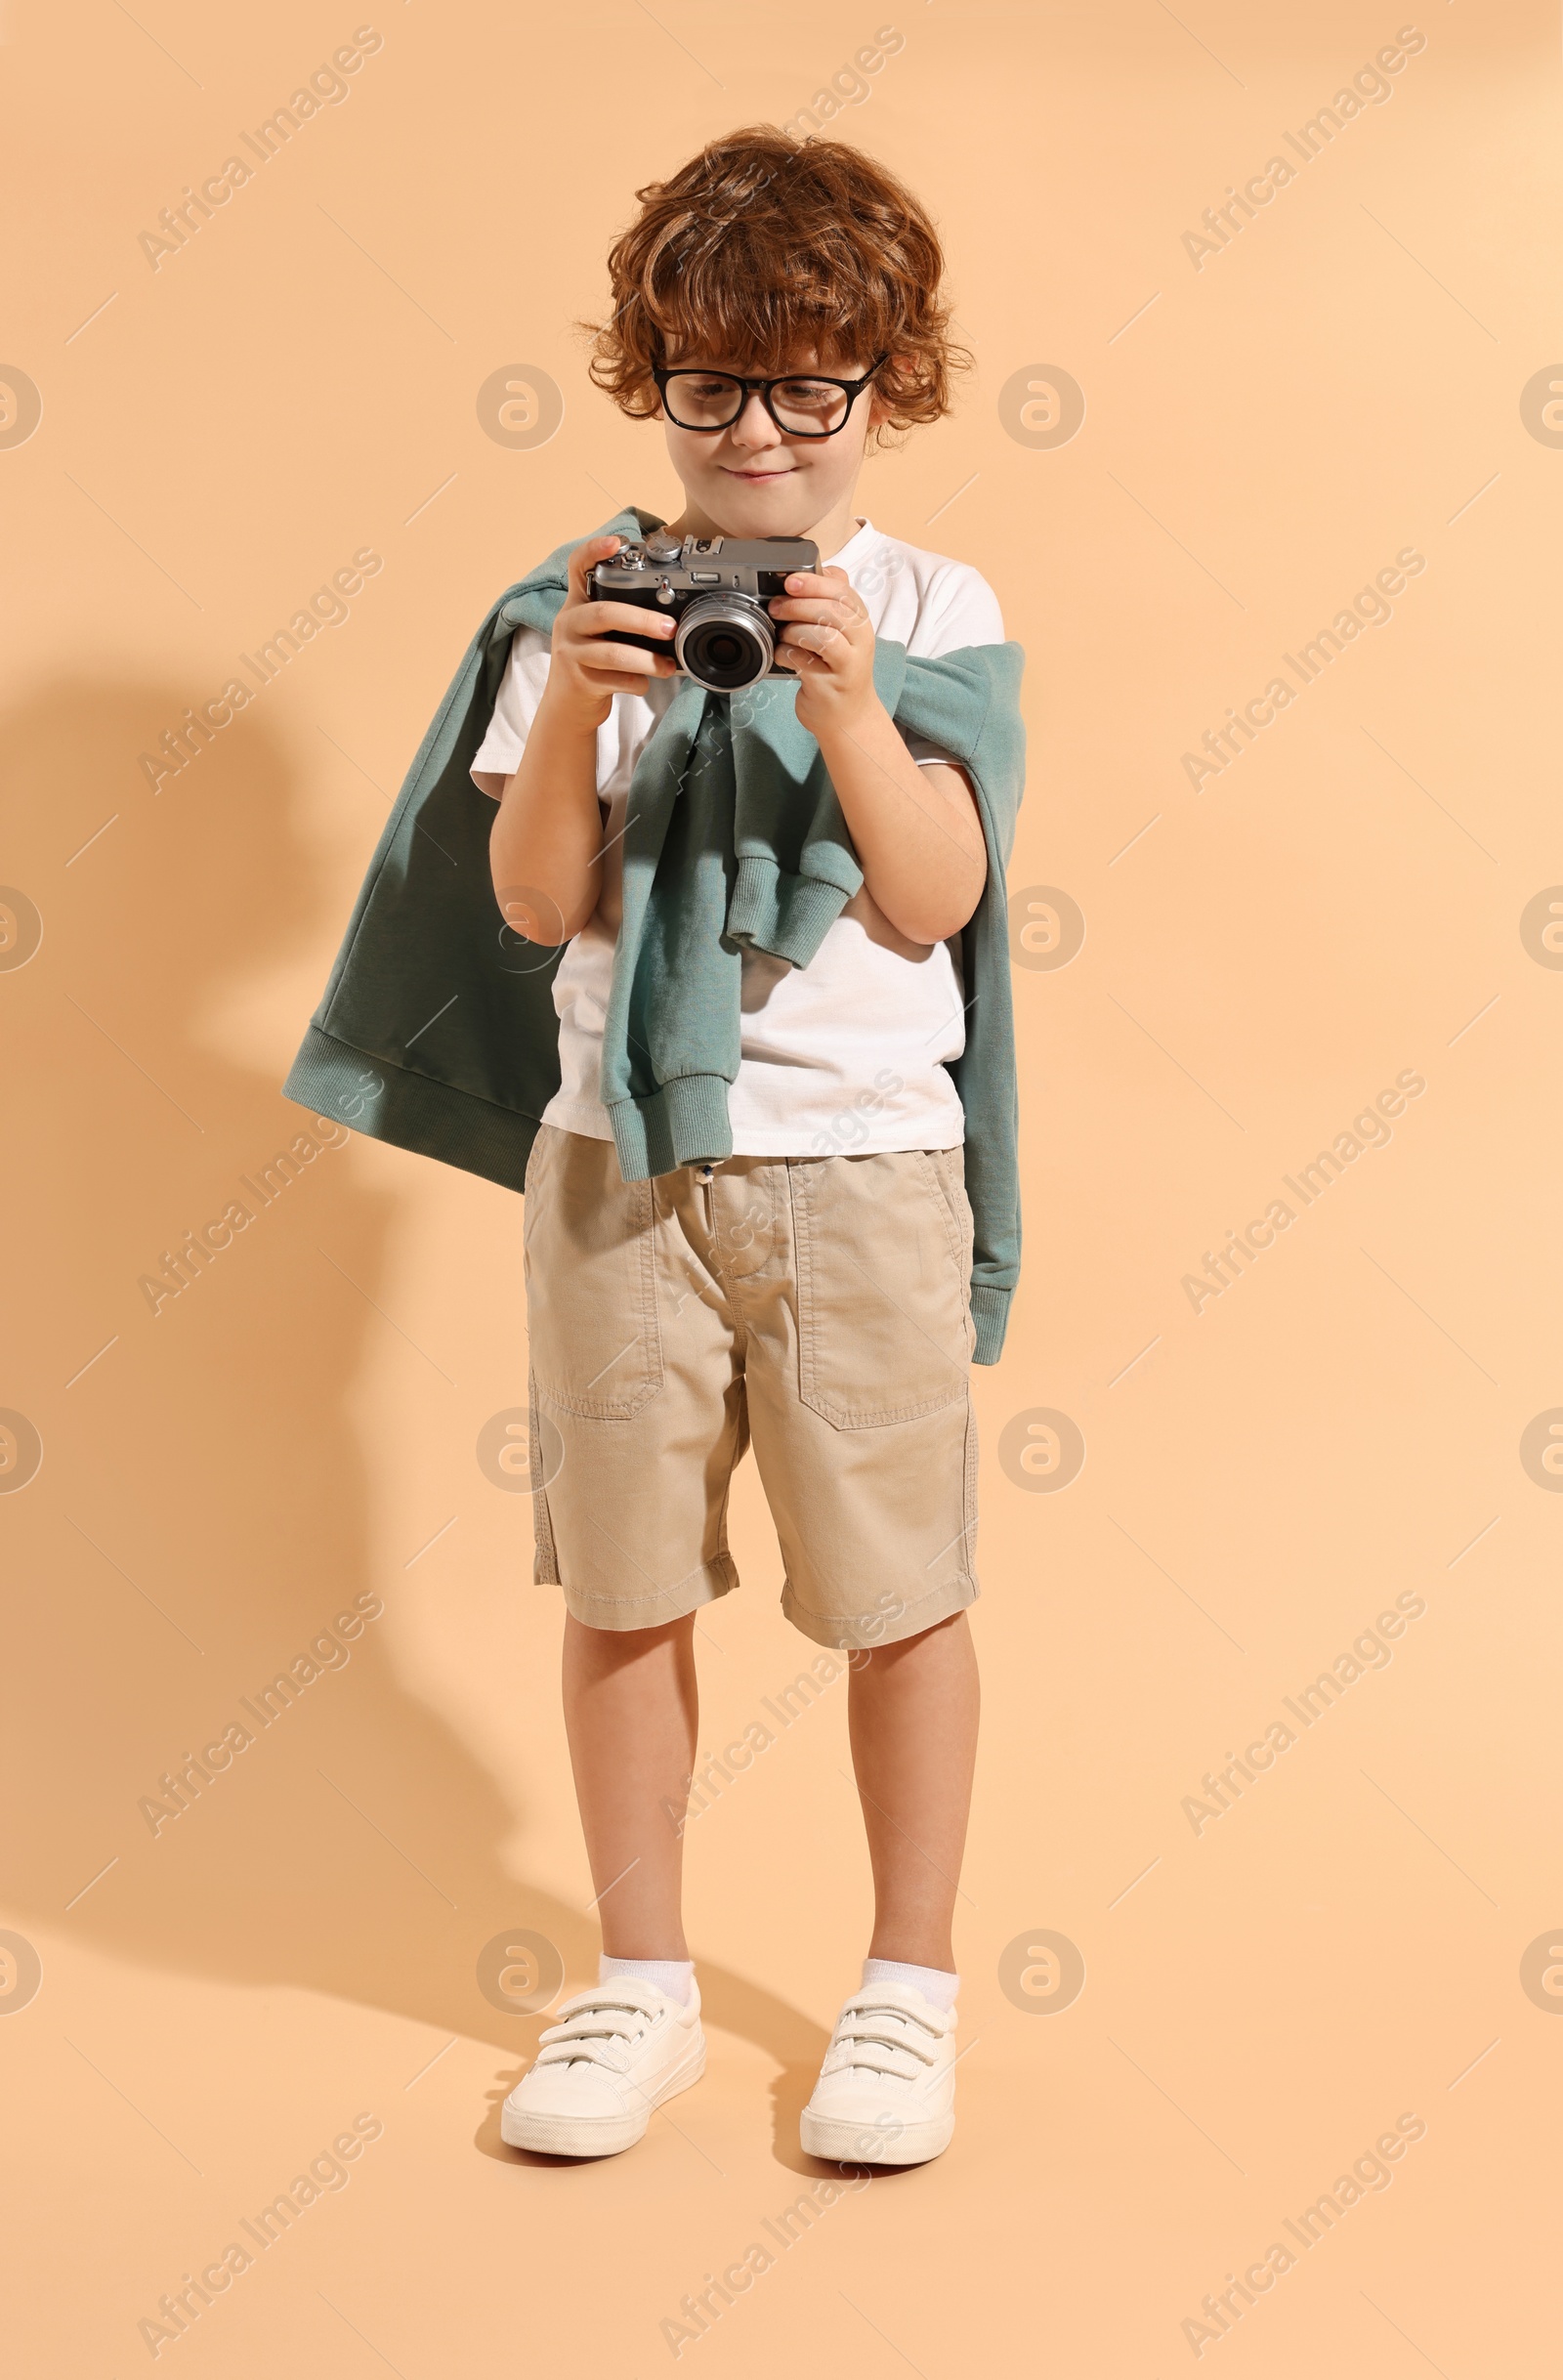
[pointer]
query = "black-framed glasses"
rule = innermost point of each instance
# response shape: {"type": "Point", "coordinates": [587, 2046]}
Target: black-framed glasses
{"type": "Point", "coordinates": [802, 404]}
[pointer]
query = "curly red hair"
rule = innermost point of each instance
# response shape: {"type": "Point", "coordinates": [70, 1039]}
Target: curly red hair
{"type": "Point", "coordinates": [761, 248]}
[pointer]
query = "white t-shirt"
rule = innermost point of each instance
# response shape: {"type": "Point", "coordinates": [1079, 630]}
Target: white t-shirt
{"type": "Point", "coordinates": [848, 1053]}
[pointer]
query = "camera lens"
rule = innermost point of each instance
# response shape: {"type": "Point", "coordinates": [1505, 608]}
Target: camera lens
{"type": "Point", "coordinates": [724, 642]}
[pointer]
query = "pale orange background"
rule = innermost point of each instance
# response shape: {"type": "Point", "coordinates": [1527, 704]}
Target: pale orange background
{"type": "Point", "coordinates": [1261, 2001]}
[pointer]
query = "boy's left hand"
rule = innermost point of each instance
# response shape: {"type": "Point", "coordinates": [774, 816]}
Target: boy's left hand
{"type": "Point", "coordinates": [828, 641]}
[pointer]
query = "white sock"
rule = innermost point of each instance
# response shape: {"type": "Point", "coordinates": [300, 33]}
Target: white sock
{"type": "Point", "coordinates": [675, 1976]}
{"type": "Point", "coordinates": [936, 1983]}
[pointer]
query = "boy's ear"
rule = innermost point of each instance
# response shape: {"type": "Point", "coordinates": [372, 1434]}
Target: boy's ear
{"type": "Point", "coordinates": [880, 410]}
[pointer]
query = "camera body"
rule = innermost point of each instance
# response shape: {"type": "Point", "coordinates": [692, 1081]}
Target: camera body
{"type": "Point", "coordinates": [717, 589]}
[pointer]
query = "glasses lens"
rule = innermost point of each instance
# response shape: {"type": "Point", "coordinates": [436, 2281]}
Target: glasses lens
{"type": "Point", "coordinates": [703, 400]}
{"type": "Point", "coordinates": [810, 407]}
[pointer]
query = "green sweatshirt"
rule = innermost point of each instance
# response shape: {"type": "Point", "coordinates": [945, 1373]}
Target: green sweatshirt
{"type": "Point", "coordinates": [437, 1031]}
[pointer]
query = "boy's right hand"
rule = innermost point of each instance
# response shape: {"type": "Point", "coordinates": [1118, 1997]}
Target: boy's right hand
{"type": "Point", "coordinates": [588, 665]}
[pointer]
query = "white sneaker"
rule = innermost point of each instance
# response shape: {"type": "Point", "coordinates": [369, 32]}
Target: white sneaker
{"type": "Point", "coordinates": [886, 2093]}
{"type": "Point", "coordinates": [616, 2053]}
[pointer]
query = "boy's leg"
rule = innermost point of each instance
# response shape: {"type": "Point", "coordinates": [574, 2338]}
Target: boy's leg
{"type": "Point", "coordinates": [618, 2048]}
{"type": "Point", "coordinates": [857, 1380]}
{"type": "Point", "coordinates": [639, 1415]}
{"type": "Point", "coordinates": [912, 1717]}
{"type": "Point", "coordinates": [886, 2093]}
{"type": "Point", "coordinates": [631, 1715]}
{"type": "Point", "coordinates": [639, 1418]}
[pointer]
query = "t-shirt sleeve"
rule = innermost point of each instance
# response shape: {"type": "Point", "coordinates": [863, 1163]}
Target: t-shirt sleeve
{"type": "Point", "coordinates": [521, 690]}
{"type": "Point", "coordinates": [961, 609]}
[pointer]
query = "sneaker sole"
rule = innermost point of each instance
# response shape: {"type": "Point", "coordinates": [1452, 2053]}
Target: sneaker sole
{"type": "Point", "coordinates": [586, 2136]}
{"type": "Point", "coordinates": [843, 2141]}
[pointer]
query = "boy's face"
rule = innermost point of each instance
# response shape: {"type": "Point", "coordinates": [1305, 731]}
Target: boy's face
{"type": "Point", "coordinates": [751, 480]}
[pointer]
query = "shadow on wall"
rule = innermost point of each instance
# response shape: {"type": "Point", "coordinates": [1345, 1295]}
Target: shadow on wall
{"type": "Point", "coordinates": [202, 1485]}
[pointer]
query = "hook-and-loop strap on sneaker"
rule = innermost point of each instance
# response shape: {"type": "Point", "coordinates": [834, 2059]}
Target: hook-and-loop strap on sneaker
{"type": "Point", "coordinates": [886, 2093]}
{"type": "Point", "coordinates": [616, 2053]}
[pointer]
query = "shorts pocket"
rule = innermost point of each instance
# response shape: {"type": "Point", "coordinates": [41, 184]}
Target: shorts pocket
{"type": "Point", "coordinates": [884, 1333]}
{"type": "Point", "coordinates": [591, 1279]}
{"type": "Point", "coordinates": [947, 1169]}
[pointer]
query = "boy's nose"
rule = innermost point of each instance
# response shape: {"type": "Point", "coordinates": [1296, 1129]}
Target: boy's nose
{"type": "Point", "coordinates": [755, 426]}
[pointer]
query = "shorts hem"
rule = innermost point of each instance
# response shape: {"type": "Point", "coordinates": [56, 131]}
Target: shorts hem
{"type": "Point", "coordinates": [618, 1613]}
{"type": "Point", "coordinates": [848, 1633]}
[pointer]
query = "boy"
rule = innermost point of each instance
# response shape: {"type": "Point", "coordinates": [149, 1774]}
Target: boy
{"type": "Point", "coordinates": [745, 1211]}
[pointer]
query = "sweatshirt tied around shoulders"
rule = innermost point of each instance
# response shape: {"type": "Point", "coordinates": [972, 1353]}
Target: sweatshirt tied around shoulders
{"type": "Point", "coordinates": [436, 1029]}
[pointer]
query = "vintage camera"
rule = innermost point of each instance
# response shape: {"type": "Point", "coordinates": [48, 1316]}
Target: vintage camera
{"type": "Point", "coordinates": [716, 588]}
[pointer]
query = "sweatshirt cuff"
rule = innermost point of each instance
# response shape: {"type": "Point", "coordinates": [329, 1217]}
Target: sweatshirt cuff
{"type": "Point", "coordinates": [684, 1123]}
{"type": "Point", "coordinates": [787, 915]}
{"type": "Point", "coordinates": [990, 1315]}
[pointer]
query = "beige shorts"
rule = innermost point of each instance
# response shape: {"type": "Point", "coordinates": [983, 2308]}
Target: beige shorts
{"type": "Point", "coordinates": [816, 1306]}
